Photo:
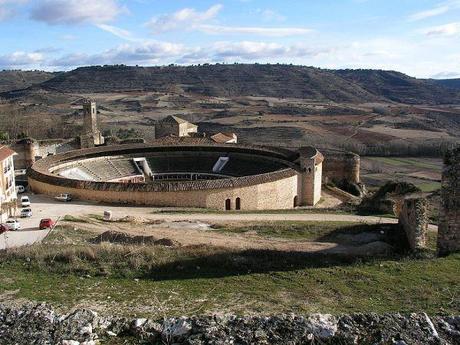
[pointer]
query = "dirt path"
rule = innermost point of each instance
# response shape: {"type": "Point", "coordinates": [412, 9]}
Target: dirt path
{"type": "Point", "coordinates": [197, 233]}
{"type": "Point", "coordinates": [44, 206]}
{"type": "Point", "coordinates": [193, 228]}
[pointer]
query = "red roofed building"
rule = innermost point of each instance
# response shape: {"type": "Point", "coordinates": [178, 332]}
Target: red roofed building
{"type": "Point", "coordinates": [7, 183]}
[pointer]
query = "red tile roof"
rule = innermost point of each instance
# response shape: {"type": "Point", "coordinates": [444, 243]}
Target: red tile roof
{"type": "Point", "coordinates": [5, 152]}
{"type": "Point", "coordinates": [222, 137]}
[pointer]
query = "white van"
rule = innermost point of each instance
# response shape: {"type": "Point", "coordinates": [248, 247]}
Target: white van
{"type": "Point", "coordinates": [25, 201]}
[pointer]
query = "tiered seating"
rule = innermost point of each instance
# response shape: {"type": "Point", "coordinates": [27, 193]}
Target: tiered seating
{"type": "Point", "coordinates": [78, 173]}
{"type": "Point", "coordinates": [236, 165]}
{"type": "Point", "coordinates": [126, 167]}
{"type": "Point", "coordinates": [102, 170]}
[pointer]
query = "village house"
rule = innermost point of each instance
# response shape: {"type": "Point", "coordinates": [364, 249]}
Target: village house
{"type": "Point", "coordinates": [8, 195]}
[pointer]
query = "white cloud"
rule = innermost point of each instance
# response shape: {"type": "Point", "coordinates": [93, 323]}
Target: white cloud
{"type": "Point", "coordinates": [429, 13]}
{"type": "Point", "coordinates": [440, 9]}
{"type": "Point", "coordinates": [182, 19]}
{"type": "Point", "coordinates": [247, 50]}
{"type": "Point", "coordinates": [261, 31]}
{"type": "Point", "coordinates": [21, 59]}
{"type": "Point", "coordinates": [4, 13]}
{"type": "Point", "coordinates": [270, 15]}
{"type": "Point", "coordinates": [401, 54]}
{"type": "Point", "coordinates": [450, 29]}
{"type": "Point", "coordinates": [76, 11]}
{"type": "Point", "coordinates": [146, 53]}
{"type": "Point", "coordinates": [121, 33]}
{"type": "Point", "coordinates": [189, 19]}
{"type": "Point", "coordinates": [446, 75]}
{"type": "Point", "coordinates": [7, 8]}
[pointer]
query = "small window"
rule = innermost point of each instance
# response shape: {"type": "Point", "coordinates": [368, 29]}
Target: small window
{"type": "Point", "coordinates": [228, 205]}
{"type": "Point", "coordinates": [238, 204]}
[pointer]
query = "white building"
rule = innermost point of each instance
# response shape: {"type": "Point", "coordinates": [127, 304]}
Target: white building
{"type": "Point", "coordinates": [8, 196]}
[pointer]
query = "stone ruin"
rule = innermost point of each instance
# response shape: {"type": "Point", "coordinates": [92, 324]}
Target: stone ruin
{"type": "Point", "coordinates": [413, 219]}
{"type": "Point", "coordinates": [412, 211]}
{"type": "Point", "coordinates": [449, 217]}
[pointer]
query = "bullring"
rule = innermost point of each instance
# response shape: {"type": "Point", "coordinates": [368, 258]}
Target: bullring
{"type": "Point", "coordinates": [215, 176]}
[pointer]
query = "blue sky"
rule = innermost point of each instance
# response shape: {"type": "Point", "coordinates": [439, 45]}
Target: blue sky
{"type": "Point", "coordinates": [418, 37]}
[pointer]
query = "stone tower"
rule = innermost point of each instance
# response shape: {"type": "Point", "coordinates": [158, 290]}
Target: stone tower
{"type": "Point", "coordinates": [449, 215]}
{"type": "Point", "coordinates": [91, 135]}
{"type": "Point", "coordinates": [311, 164]}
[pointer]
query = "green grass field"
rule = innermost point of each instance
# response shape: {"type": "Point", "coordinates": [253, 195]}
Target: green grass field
{"type": "Point", "coordinates": [407, 285]}
{"type": "Point", "coordinates": [407, 161]}
{"type": "Point", "coordinates": [160, 281]}
{"type": "Point", "coordinates": [309, 231]}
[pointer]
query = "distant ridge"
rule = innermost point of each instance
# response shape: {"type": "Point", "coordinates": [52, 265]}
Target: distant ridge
{"type": "Point", "coordinates": [452, 83]}
{"type": "Point", "coordinates": [286, 81]}
{"type": "Point", "coordinates": [14, 79]}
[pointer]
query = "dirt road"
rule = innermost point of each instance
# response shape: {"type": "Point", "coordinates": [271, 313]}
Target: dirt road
{"type": "Point", "coordinates": [44, 206]}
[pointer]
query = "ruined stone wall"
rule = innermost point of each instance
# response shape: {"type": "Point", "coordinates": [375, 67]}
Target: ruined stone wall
{"type": "Point", "coordinates": [29, 150]}
{"type": "Point", "coordinates": [26, 151]}
{"type": "Point", "coordinates": [449, 215]}
{"type": "Point", "coordinates": [412, 215]}
{"type": "Point", "coordinates": [339, 166]}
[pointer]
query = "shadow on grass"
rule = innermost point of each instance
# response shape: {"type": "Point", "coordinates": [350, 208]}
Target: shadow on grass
{"type": "Point", "coordinates": [236, 263]}
{"type": "Point", "coordinates": [226, 264]}
{"type": "Point", "coordinates": [159, 263]}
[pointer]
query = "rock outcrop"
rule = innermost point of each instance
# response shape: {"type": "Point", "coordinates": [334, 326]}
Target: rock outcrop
{"type": "Point", "coordinates": [39, 324]}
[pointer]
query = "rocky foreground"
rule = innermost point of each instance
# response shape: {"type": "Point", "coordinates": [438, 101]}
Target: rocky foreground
{"type": "Point", "coordinates": [39, 324]}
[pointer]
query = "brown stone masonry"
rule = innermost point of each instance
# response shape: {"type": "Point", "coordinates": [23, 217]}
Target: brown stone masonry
{"type": "Point", "coordinates": [449, 216]}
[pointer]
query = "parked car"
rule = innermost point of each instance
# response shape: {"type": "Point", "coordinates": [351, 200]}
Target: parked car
{"type": "Point", "coordinates": [46, 223]}
{"type": "Point", "coordinates": [20, 189]}
{"type": "Point", "coordinates": [63, 197]}
{"type": "Point", "coordinates": [26, 212]}
{"type": "Point", "coordinates": [13, 224]}
{"type": "Point", "coordinates": [25, 201]}
{"type": "Point", "coordinates": [4, 228]}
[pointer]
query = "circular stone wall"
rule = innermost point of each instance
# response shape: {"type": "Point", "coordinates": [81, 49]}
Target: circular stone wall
{"type": "Point", "coordinates": [256, 178]}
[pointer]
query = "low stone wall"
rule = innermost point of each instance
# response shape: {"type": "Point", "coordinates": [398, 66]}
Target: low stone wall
{"type": "Point", "coordinates": [449, 215]}
{"type": "Point", "coordinates": [40, 325]}
{"type": "Point", "coordinates": [412, 215]}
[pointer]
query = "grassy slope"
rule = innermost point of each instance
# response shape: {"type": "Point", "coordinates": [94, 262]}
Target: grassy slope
{"type": "Point", "coordinates": [431, 285]}
{"type": "Point", "coordinates": [403, 163]}
{"type": "Point", "coordinates": [159, 281]}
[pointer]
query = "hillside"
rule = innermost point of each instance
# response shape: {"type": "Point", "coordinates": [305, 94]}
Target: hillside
{"type": "Point", "coordinates": [399, 87]}
{"type": "Point", "coordinates": [452, 83]}
{"type": "Point", "coordinates": [214, 80]}
{"type": "Point", "coordinates": [13, 80]}
{"type": "Point", "coordinates": [280, 81]}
